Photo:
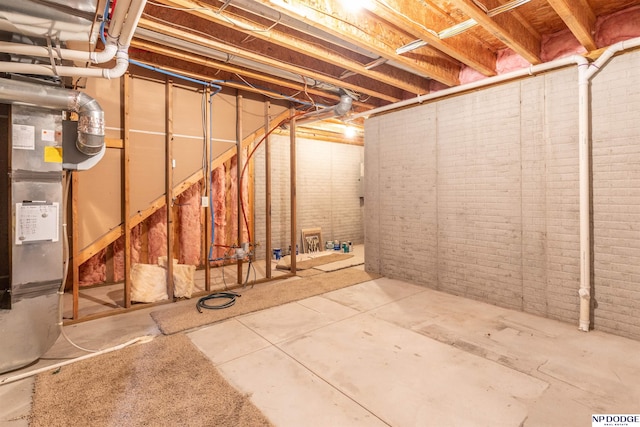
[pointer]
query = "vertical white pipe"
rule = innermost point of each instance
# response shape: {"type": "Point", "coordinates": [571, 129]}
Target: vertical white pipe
{"type": "Point", "coordinates": [586, 73]}
{"type": "Point", "coordinates": [584, 125]}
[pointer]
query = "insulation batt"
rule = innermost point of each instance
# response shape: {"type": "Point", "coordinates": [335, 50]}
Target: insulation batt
{"type": "Point", "coordinates": [94, 270]}
{"type": "Point", "coordinates": [118, 253]}
{"type": "Point", "coordinates": [218, 192]}
{"type": "Point", "coordinates": [148, 283]}
{"type": "Point", "coordinates": [234, 200]}
{"type": "Point", "coordinates": [619, 26]}
{"type": "Point", "coordinates": [560, 45]}
{"type": "Point", "coordinates": [189, 220]}
{"type": "Point", "coordinates": [157, 234]}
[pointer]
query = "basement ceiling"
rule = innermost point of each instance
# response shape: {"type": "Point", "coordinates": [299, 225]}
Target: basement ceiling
{"type": "Point", "coordinates": [382, 51]}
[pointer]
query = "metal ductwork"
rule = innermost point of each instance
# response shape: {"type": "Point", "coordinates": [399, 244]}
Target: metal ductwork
{"type": "Point", "coordinates": [90, 139]}
{"type": "Point", "coordinates": [338, 110]}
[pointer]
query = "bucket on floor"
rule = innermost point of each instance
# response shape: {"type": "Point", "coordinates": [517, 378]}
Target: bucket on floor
{"type": "Point", "coordinates": [277, 253]}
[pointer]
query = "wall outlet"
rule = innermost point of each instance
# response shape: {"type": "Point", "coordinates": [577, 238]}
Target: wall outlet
{"type": "Point", "coordinates": [205, 201]}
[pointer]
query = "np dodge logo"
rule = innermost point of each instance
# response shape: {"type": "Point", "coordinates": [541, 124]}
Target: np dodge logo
{"type": "Point", "coordinates": [617, 420]}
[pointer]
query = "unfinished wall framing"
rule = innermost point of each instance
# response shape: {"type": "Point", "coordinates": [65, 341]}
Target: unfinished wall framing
{"type": "Point", "coordinates": [154, 116]}
{"type": "Point", "coordinates": [477, 195]}
{"type": "Point", "coordinates": [328, 191]}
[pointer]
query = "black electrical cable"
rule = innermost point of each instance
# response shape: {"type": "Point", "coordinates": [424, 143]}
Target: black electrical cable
{"type": "Point", "coordinates": [230, 296]}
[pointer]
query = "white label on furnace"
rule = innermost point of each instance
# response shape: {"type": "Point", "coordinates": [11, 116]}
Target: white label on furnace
{"type": "Point", "coordinates": [36, 221]}
{"type": "Point", "coordinates": [24, 137]}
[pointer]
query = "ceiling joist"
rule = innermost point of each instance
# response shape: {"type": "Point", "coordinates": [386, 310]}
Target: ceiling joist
{"type": "Point", "coordinates": [270, 32]}
{"type": "Point", "coordinates": [580, 19]}
{"type": "Point", "coordinates": [377, 36]}
{"type": "Point", "coordinates": [505, 27]}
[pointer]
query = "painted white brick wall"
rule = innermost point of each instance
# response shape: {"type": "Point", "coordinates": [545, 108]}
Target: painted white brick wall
{"type": "Point", "coordinates": [476, 195]}
{"type": "Point", "coordinates": [327, 191]}
{"type": "Point", "coordinates": [616, 195]}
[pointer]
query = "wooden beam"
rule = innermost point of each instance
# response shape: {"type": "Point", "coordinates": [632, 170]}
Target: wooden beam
{"type": "Point", "coordinates": [113, 143]}
{"type": "Point", "coordinates": [293, 192]}
{"type": "Point", "coordinates": [126, 189]}
{"type": "Point", "coordinates": [321, 135]}
{"type": "Point", "coordinates": [256, 57]}
{"type": "Point", "coordinates": [169, 182]}
{"type": "Point", "coordinates": [403, 80]}
{"type": "Point", "coordinates": [75, 255]}
{"type": "Point", "coordinates": [239, 161]}
{"type": "Point", "coordinates": [267, 190]}
{"type": "Point", "coordinates": [425, 23]}
{"type": "Point", "coordinates": [212, 67]}
{"type": "Point", "coordinates": [580, 19]}
{"type": "Point", "coordinates": [207, 192]}
{"type": "Point", "coordinates": [505, 27]}
{"type": "Point", "coordinates": [377, 37]}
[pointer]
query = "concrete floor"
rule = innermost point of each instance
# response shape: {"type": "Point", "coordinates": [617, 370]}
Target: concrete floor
{"type": "Point", "coordinates": [390, 353]}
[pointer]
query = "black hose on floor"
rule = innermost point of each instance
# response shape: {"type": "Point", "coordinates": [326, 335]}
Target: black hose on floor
{"type": "Point", "coordinates": [229, 296]}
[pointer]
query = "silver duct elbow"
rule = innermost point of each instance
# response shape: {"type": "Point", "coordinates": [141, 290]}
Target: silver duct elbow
{"type": "Point", "coordinates": [91, 117]}
{"type": "Point", "coordinates": [338, 110]}
{"type": "Point", "coordinates": [344, 106]}
{"type": "Point", "coordinates": [90, 125]}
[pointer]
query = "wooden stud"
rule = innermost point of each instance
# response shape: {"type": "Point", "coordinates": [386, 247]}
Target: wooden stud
{"type": "Point", "coordinates": [239, 178]}
{"type": "Point", "coordinates": [207, 191]}
{"type": "Point", "coordinates": [267, 172]}
{"type": "Point", "coordinates": [169, 183]}
{"type": "Point", "coordinates": [292, 171]}
{"type": "Point", "coordinates": [75, 264]}
{"type": "Point", "coordinates": [126, 191]}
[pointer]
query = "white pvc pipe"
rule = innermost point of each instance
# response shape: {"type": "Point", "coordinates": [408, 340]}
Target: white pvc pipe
{"type": "Point", "coordinates": [130, 24]}
{"type": "Point", "coordinates": [18, 377]}
{"type": "Point", "coordinates": [125, 20]}
{"type": "Point", "coordinates": [533, 70]}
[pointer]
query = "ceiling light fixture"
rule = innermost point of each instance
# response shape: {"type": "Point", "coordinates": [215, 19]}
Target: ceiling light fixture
{"type": "Point", "coordinates": [350, 132]}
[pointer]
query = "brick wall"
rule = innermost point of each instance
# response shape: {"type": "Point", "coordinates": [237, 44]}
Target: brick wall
{"type": "Point", "coordinates": [616, 196]}
{"type": "Point", "coordinates": [328, 195]}
{"type": "Point", "coordinates": [477, 195]}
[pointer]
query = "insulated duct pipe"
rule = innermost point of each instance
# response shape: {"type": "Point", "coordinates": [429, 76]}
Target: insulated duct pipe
{"type": "Point", "coordinates": [91, 117]}
{"type": "Point", "coordinates": [586, 71]}
{"type": "Point", "coordinates": [338, 110]}
{"type": "Point", "coordinates": [123, 24]}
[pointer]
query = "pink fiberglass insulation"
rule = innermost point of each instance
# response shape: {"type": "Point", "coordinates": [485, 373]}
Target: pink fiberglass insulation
{"type": "Point", "coordinates": [118, 253]}
{"type": "Point", "coordinates": [245, 199]}
{"type": "Point", "coordinates": [469, 75]}
{"type": "Point", "coordinates": [218, 195]}
{"type": "Point", "coordinates": [157, 234]}
{"type": "Point", "coordinates": [118, 259]}
{"type": "Point", "coordinates": [560, 45]}
{"type": "Point", "coordinates": [234, 201]}
{"type": "Point", "coordinates": [619, 26]}
{"type": "Point", "coordinates": [94, 270]}
{"type": "Point", "coordinates": [508, 61]}
{"type": "Point", "coordinates": [189, 234]}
